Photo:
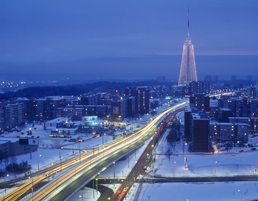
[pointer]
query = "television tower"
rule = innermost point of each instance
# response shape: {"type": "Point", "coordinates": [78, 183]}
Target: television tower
{"type": "Point", "coordinates": [188, 67]}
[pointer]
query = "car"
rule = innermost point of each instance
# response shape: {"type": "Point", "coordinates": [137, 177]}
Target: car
{"type": "Point", "coordinates": [241, 151]}
{"type": "Point", "coordinates": [253, 149]}
{"type": "Point", "coordinates": [37, 136]}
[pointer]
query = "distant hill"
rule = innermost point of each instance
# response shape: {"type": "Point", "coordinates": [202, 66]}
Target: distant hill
{"type": "Point", "coordinates": [68, 90]}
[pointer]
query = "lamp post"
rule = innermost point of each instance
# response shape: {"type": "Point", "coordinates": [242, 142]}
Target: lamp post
{"type": "Point", "coordinates": [5, 183]}
{"type": "Point", "coordinates": [174, 168]}
{"type": "Point", "coordinates": [81, 196]}
{"type": "Point", "coordinates": [60, 158]}
{"type": "Point", "coordinates": [135, 152]}
{"type": "Point", "coordinates": [52, 175]}
{"type": "Point", "coordinates": [153, 156]}
{"type": "Point", "coordinates": [97, 185]}
{"type": "Point", "coordinates": [241, 193]}
{"type": "Point", "coordinates": [32, 190]}
{"type": "Point", "coordinates": [185, 162]}
{"type": "Point", "coordinates": [128, 160]}
{"type": "Point", "coordinates": [103, 140]}
{"type": "Point", "coordinates": [114, 166]}
{"type": "Point", "coordinates": [134, 178]}
{"type": "Point", "coordinates": [75, 167]}
{"type": "Point", "coordinates": [93, 188]}
{"type": "Point", "coordinates": [216, 162]}
{"type": "Point", "coordinates": [80, 152]}
{"type": "Point", "coordinates": [31, 186]}
{"type": "Point", "coordinates": [38, 160]}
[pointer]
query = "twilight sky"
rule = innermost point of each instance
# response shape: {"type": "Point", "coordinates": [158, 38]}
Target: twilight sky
{"type": "Point", "coordinates": [125, 39]}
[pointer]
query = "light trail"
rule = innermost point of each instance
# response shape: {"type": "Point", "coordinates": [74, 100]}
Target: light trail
{"type": "Point", "coordinates": [103, 153]}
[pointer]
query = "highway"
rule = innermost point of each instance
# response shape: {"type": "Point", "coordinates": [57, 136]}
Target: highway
{"type": "Point", "coordinates": [90, 161]}
{"type": "Point", "coordinates": [110, 155]}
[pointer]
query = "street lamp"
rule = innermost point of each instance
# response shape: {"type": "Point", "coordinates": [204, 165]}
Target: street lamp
{"type": "Point", "coordinates": [216, 167]}
{"type": "Point", "coordinates": [80, 152]}
{"type": "Point", "coordinates": [128, 160]}
{"type": "Point", "coordinates": [241, 193]}
{"type": "Point", "coordinates": [103, 138]}
{"type": "Point", "coordinates": [185, 162]}
{"type": "Point", "coordinates": [4, 182]}
{"type": "Point", "coordinates": [81, 196]}
{"type": "Point", "coordinates": [60, 158]}
{"type": "Point", "coordinates": [174, 168]}
{"type": "Point", "coordinates": [97, 185]}
{"type": "Point", "coordinates": [38, 160]}
{"type": "Point", "coordinates": [93, 188]}
{"type": "Point", "coordinates": [31, 186]}
{"type": "Point", "coordinates": [114, 165]}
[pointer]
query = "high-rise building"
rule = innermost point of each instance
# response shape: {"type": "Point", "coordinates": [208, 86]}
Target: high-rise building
{"type": "Point", "coordinates": [199, 131]}
{"type": "Point", "coordinates": [118, 110]}
{"type": "Point", "coordinates": [142, 98]}
{"type": "Point", "coordinates": [228, 131]}
{"type": "Point", "coordinates": [252, 92]}
{"type": "Point", "coordinates": [199, 87]}
{"type": "Point", "coordinates": [188, 68]}
{"type": "Point", "coordinates": [200, 101]}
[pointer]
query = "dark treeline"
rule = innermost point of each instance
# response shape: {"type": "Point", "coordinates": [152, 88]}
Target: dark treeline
{"type": "Point", "coordinates": [78, 89]}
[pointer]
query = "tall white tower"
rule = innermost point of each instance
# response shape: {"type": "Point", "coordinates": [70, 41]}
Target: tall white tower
{"type": "Point", "coordinates": [188, 68]}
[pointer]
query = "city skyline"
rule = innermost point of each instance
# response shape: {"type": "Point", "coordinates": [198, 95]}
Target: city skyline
{"type": "Point", "coordinates": [125, 40]}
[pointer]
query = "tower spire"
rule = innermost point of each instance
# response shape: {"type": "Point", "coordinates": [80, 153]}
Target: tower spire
{"type": "Point", "coordinates": [188, 67]}
{"type": "Point", "coordinates": [188, 24]}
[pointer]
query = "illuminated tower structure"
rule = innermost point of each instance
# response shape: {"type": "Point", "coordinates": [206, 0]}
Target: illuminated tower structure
{"type": "Point", "coordinates": [188, 68]}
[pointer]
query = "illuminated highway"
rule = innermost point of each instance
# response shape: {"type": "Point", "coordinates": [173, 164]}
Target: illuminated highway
{"type": "Point", "coordinates": [91, 164]}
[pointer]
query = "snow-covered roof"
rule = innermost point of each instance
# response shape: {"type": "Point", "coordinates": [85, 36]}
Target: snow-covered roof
{"type": "Point", "coordinates": [3, 141]}
{"type": "Point", "coordinates": [9, 139]}
{"type": "Point", "coordinates": [243, 118]}
{"type": "Point", "coordinates": [22, 99]}
{"type": "Point", "coordinates": [58, 120]}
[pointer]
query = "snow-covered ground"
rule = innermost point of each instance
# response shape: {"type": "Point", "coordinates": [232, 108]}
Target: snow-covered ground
{"type": "Point", "coordinates": [212, 191]}
{"type": "Point", "coordinates": [87, 194]}
{"type": "Point", "coordinates": [184, 164]}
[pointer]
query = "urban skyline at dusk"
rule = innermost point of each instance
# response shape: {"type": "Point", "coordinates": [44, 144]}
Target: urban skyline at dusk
{"type": "Point", "coordinates": [128, 100]}
{"type": "Point", "coordinates": [125, 40]}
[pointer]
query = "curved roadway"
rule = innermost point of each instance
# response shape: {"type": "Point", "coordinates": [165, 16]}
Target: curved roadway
{"type": "Point", "coordinates": [91, 164]}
